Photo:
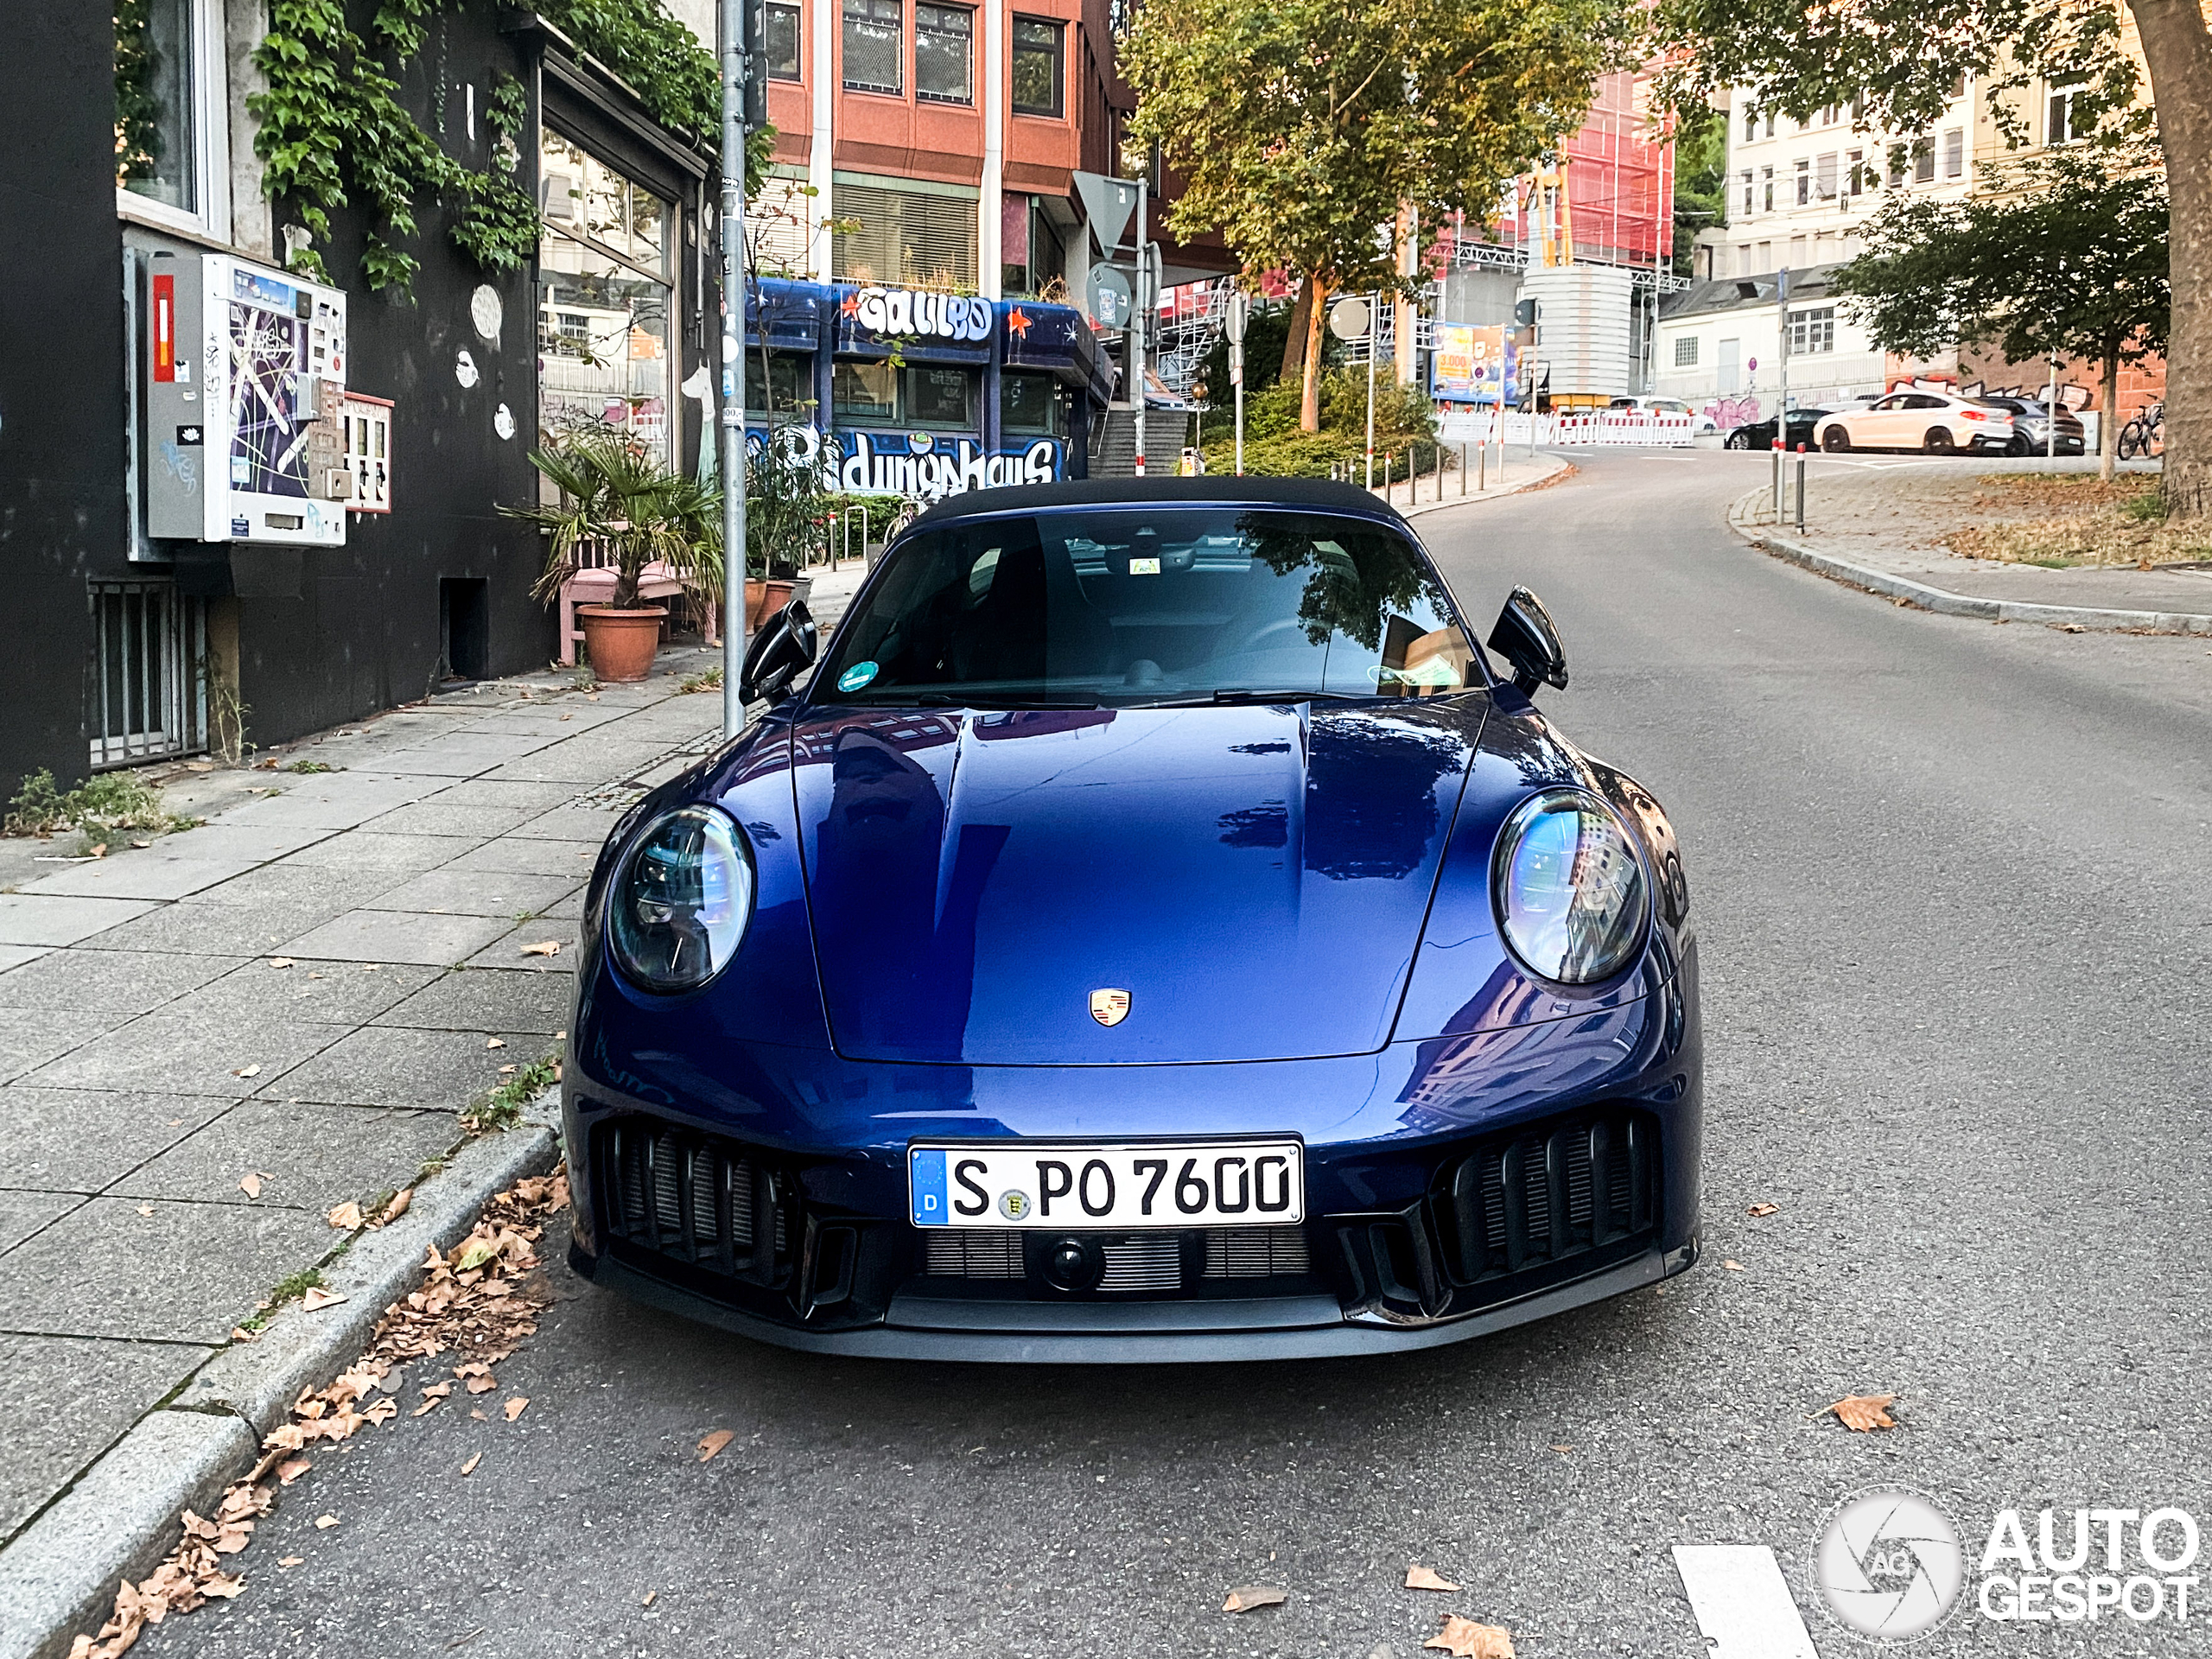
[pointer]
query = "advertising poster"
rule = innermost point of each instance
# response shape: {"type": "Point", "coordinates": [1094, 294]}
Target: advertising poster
{"type": "Point", "coordinates": [1471, 365]}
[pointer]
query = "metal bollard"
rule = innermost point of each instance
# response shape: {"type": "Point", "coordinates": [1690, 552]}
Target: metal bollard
{"type": "Point", "coordinates": [1463, 472]}
{"type": "Point", "coordinates": [1777, 480]}
{"type": "Point", "coordinates": [1801, 486]}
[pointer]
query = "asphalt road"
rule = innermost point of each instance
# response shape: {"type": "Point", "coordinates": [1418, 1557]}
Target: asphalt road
{"type": "Point", "coordinates": [1957, 911]}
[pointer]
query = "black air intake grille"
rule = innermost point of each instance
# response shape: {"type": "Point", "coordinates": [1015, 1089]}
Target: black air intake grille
{"type": "Point", "coordinates": [1256, 1252]}
{"type": "Point", "coordinates": [978, 1253]}
{"type": "Point", "coordinates": [1550, 1193]}
{"type": "Point", "coordinates": [686, 1196]}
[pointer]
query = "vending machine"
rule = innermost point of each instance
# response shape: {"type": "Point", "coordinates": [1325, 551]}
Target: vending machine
{"type": "Point", "coordinates": [244, 375]}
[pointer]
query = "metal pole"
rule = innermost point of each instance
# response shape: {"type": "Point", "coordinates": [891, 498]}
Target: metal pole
{"type": "Point", "coordinates": [1801, 486]}
{"type": "Point", "coordinates": [1374, 315]}
{"type": "Point", "coordinates": [730, 25]}
{"type": "Point", "coordinates": [2050, 418]}
{"type": "Point", "coordinates": [1139, 321]}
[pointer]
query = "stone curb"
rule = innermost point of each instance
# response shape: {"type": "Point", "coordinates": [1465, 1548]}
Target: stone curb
{"type": "Point", "coordinates": [2084, 619]}
{"type": "Point", "coordinates": [119, 1519]}
{"type": "Point", "coordinates": [1560, 464]}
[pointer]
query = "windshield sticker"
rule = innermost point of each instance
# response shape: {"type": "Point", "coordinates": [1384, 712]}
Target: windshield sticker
{"type": "Point", "coordinates": [856, 676]}
{"type": "Point", "coordinates": [1144, 567]}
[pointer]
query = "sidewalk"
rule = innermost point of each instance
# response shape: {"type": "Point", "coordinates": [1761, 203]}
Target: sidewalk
{"type": "Point", "coordinates": [1876, 524]}
{"type": "Point", "coordinates": [209, 1042]}
{"type": "Point", "coordinates": [1485, 482]}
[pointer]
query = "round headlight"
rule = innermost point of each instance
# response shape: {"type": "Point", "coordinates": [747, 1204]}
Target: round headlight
{"type": "Point", "coordinates": [683, 899]}
{"type": "Point", "coordinates": [1570, 889]}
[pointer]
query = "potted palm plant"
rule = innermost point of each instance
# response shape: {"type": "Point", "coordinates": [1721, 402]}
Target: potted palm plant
{"type": "Point", "coordinates": [621, 511]}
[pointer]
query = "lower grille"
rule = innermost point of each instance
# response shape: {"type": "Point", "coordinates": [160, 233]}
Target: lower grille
{"type": "Point", "coordinates": [975, 1254]}
{"type": "Point", "coordinates": [686, 1196]}
{"type": "Point", "coordinates": [1548, 1194]}
{"type": "Point", "coordinates": [1146, 1261]}
{"type": "Point", "coordinates": [1256, 1252]}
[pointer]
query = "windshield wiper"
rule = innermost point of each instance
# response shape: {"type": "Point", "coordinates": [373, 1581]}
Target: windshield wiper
{"type": "Point", "coordinates": [1245, 694]}
{"type": "Point", "coordinates": [1001, 700]}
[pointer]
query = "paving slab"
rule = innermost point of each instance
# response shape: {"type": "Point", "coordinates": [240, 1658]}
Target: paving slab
{"type": "Point", "coordinates": [14, 956]}
{"type": "Point", "coordinates": [213, 930]}
{"type": "Point", "coordinates": [367, 849]}
{"type": "Point", "coordinates": [83, 1140]}
{"type": "Point", "coordinates": [315, 1154]}
{"type": "Point", "coordinates": [335, 889]}
{"type": "Point", "coordinates": [507, 952]}
{"type": "Point", "coordinates": [487, 1000]}
{"type": "Point", "coordinates": [320, 993]}
{"type": "Point", "coordinates": [586, 760]}
{"type": "Point", "coordinates": [398, 936]}
{"type": "Point", "coordinates": [552, 720]}
{"type": "Point", "coordinates": [585, 823]}
{"type": "Point", "coordinates": [67, 1400]}
{"type": "Point", "coordinates": [142, 874]}
{"type": "Point", "coordinates": [434, 816]}
{"type": "Point", "coordinates": [31, 1037]}
{"type": "Point", "coordinates": [22, 1214]}
{"type": "Point", "coordinates": [516, 797]}
{"type": "Point", "coordinates": [478, 893]}
{"type": "Point", "coordinates": [516, 856]}
{"type": "Point", "coordinates": [389, 1065]}
{"type": "Point", "coordinates": [234, 841]}
{"type": "Point", "coordinates": [185, 1273]}
{"type": "Point", "coordinates": [463, 753]}
{"type": "Point", "coordinates": [86, 980]}
{"type": "Point", "coordinates": [54, 919]}
{"type": "Point", "coordinates": [341, 801]}
{"type": "Point", "coordinates": [187, 1054]}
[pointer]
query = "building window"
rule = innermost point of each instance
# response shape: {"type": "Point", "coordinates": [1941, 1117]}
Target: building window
{"type": "Point", "coordinates": [1686, 352]}
{"type": "Point", "coordinates": [1743, 259]}
{"type": "Point", "coordinates": [925, 394]}
{"type": "Point", "coordinates": [873, 55]}
{"type": "Point", "coordinates": [789, 377]}
{"type": "Point", "coordinates": [1854, 170]}
{"type": "Point", "coordinates": [1039, 53]}
{"type": "Point", "coordinates": [1830, 114]}
{"type": "Point", "coordinates": [864, 392]}
{"type": "Point", "coordinates": [1824, 176]}
{"type": "Point", "coordinates": [1955, 153]}
{"type": "Point", "coordinates": [2063, 121]}
{"type": "Point", "coordinates": [944, 55]}
{"type": "Point", "coordinates": [1032, 405]}
{"type": "Point", "coordinates": [1766, 185]}
{"type": "Point", "coordinates": [605, 300]}
{"type": "Point", "coordinates": [909, 237]}
{"type": "Point", "coordinates": [1750, 124]}
{"type": "Point", "coordinates": [1770, 124]}
{"type": "Point", "coordinates": [1745, 178]}
{"type": "Point", "coordinates": [783, 41]}
{"type": "Point", "coordinates": [171, 128]}
{"type": "Point", "coordinates": [1923, 161]}
{"type": "Point", "coordinates": [1804, 181]}
{"type": "Point", "coordinates": [1812, 331]}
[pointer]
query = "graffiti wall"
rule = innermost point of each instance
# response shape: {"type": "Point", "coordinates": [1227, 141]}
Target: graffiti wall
{"type": "Point", "coordinates": [925, 465]}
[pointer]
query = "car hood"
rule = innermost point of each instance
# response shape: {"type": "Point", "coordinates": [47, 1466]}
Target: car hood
{"type": "Point", "coordinates": [1254, 878]}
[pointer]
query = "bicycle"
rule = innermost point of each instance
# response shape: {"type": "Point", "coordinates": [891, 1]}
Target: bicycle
{"type": "Point", "coordinates": [2144, 434]}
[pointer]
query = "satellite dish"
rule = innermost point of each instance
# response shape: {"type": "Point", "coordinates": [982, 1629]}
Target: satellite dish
{"type": "Point", "coordinates": [1349, 319]}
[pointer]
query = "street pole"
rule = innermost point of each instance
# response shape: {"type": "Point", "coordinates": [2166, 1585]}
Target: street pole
{"type": "Point", "coordinates": [1137, 323]}
{"type": "Point", "coordinates": [1782, 414]}
{"type": "Point", "coordinates": [2050, 417]}
{"type": "Point", "coordinates": [730, 26]}
{"type": "Point", "coordinates": [1374, 316]}
{"type": "Point", "coordinates": [1240, 314]}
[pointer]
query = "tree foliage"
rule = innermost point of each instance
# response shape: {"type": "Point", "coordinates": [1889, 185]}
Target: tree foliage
{"type": "Point", "coordinates": [1300, 129]}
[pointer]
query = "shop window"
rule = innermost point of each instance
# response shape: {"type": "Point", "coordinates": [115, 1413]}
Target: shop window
{"type": "Point", "coordinates": [922, 395]}
{"type": "Point", "coordinates": [784, 41]}
{"type": "Point", "coordinates": [1686, 352]}
{"type": "Point", "coordinates": [875, 53]}
{"type": "Point", "coordinates": [782, 389]}
{"type": "Point", "coordinates": [1039, 66]}
{"type": "Point", "coordinates": [867, 393]}
{"type": "Point", "coordinates": [942, 399]}
{"type": "Point", "coordinates": [944, 54]}
{"type": "Point", "coordinates": [1032, 405]}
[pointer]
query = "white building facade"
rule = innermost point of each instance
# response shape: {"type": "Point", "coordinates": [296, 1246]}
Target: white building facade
{"type": "Point", "coordinates": [1719, 348]}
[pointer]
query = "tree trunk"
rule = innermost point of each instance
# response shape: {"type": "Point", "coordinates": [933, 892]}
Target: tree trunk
{"type": "Point", "coordinates": [1309, 393]}
{"type": "Point", "coordinates": [2108, 423]}
{"type": "Point", "coordinates": [1293, 343]}
{"type": "Point", "coordinates": [2178, 52]}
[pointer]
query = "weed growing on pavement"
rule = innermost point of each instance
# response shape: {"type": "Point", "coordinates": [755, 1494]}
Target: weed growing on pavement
{"type": "Point", "coordinates": [114, 800]}
{"type": "Point", "coordinates": [308, 765]}
{"type": "Point", "coordinates": [502, 1108]}
{"type": "Point", "coordinates": [710, 681]}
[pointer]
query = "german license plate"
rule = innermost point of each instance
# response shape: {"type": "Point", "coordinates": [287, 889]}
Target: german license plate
{"type": "Point", "coordinates": [1080, 1185]}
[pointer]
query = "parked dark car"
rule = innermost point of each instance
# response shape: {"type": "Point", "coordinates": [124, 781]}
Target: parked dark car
{"type": "Point", "coordinates": [1759, 435]}
{"type": "Point", "coordinates": [2031, 428]}
{"type": "Point", "coordinates": [1157, 931]}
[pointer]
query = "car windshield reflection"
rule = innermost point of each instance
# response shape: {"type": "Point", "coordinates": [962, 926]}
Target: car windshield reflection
{"type": "Point", "coordinates": [1167, 607]}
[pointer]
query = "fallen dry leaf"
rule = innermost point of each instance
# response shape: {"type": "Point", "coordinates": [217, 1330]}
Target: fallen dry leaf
{"type": "Point", "coordinates": [542, 948]}
{"type": "Point", "coordinates": [1734, 1265]}
{"type": "Point", "coordinates": [1464, 1639]}
{"type": "Point", "coordinates": [145, 1209]}
{"type": "Point", "coordinates": [325, 1522]}
{"type": "Point", "coordinates": [141, 843]}
{"type": "Point", "coordinates": [504, 1070]}
{"type": "Point", "coordinates": [1421, 1578]}
{"type": "Point", "coordinates": [714, 1443]}
{"type": "Point", "coordinates": [280, 962]}
{"type": "Point", "coordinates": [469, 1468]}
{"type": "Point", "coordinates": [1865, 1413]}
{"type": "Point", "coordinates": [514, 1407]}
{"type": "Point", "coordinates": [650, 1594]}
{"type": "Point", "coordinates": [317, 1297]}
{"type": "Point", "coordinates": [345, 1217]}
{"type": "Point", "coordinates": [397, 1207]}
{"type": "Point", "coordinates": [292, 1469]}
{"type": "Point", "coordinates": [1762, 1211]}
{"type": "Point", "coordinates": [1563, 1448]}
{"type": "Point", "coordinates": [381, 1413]}
{"type": "Point", "coordinates": [247, 1071]}
{"type": "Point", "coordinates": [482, 1384]}
{"type": "Point", "coordinates": [250, 1185]}
{"type": "Point", "coordinates": [239, 1333]}
{"type": "Point", "coordinates": [496, 1042]}
{"type": "Point", "coordinates": [292, 1560]}
{"type": "Point", "coordinates": [100, 851]}
{"type": "Point", "coordinates": [1245, 1598]}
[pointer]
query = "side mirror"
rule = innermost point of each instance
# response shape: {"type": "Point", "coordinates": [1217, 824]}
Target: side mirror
{"type": "Point", "coordinates": [779, 653]}
{"type": "Point", "coordinates": [1528, 641]}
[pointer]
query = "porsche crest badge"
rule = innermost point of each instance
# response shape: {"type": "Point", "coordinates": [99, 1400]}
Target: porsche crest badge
{"type": "Point", "coordinates": [1109, 1006]}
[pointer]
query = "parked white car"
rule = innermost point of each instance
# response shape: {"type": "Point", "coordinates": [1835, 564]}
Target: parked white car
{"type": "Point", "coordinates": [1647, 405]}
{"type": "Point", "coordinates": [1932, 422]}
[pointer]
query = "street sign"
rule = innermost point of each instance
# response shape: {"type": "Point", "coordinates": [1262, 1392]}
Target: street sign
{"type": "Point", "coordinates": [1109, 203]}
{"type": "Point", "coordinates": [1752, 365]}
{"type": "Point", "coordinates": [1240, 312]}
{"type": "Point", "coordinates": [1106, 297]}
{"type": "Point", "coordinates": [1348, 319]}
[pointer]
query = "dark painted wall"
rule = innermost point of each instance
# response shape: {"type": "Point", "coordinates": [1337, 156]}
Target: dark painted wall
{"type": "Point", "coordinates": [61, 456]}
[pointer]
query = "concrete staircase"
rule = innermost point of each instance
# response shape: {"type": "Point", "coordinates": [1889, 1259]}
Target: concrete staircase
{"type": "Point", "coordinates": [1113, 449]}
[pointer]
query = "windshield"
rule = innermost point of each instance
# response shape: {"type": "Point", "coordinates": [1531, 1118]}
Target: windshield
{"type": "Point", "coordinates": [1128, 607]}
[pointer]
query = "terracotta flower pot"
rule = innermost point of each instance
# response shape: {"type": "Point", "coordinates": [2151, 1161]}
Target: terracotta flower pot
{"type": "Point", "coordinates": [621, 644]}
{"type": "Point", "coordinates": [764, 599]}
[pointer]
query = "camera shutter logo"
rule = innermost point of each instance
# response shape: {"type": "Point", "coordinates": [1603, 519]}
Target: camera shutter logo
{"type": "Point", "coordinates": [1889, 1565]}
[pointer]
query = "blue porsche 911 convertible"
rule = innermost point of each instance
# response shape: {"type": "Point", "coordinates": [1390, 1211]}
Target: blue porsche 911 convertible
{"type": "Point", "coordinates": [1155, 931]}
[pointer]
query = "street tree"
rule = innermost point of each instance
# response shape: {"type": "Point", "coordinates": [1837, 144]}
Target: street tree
{"type": "Point", "coordinates": [1302, 129]}
{"type": "Point", "coordinates": [2069, 260]}
{"type": "Point", "coordinates": [1900, 59]}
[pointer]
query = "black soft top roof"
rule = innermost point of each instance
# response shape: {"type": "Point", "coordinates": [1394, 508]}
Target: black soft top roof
{"type": "Point", "coordinates": [1309, 494]}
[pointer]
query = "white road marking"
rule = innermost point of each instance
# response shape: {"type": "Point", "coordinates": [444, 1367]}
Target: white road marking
{"type": "Point", "coordinates": [1742, 1602]}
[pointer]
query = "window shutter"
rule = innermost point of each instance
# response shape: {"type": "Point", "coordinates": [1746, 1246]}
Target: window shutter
{"type": "Point", "coordinates": [905, 237]}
